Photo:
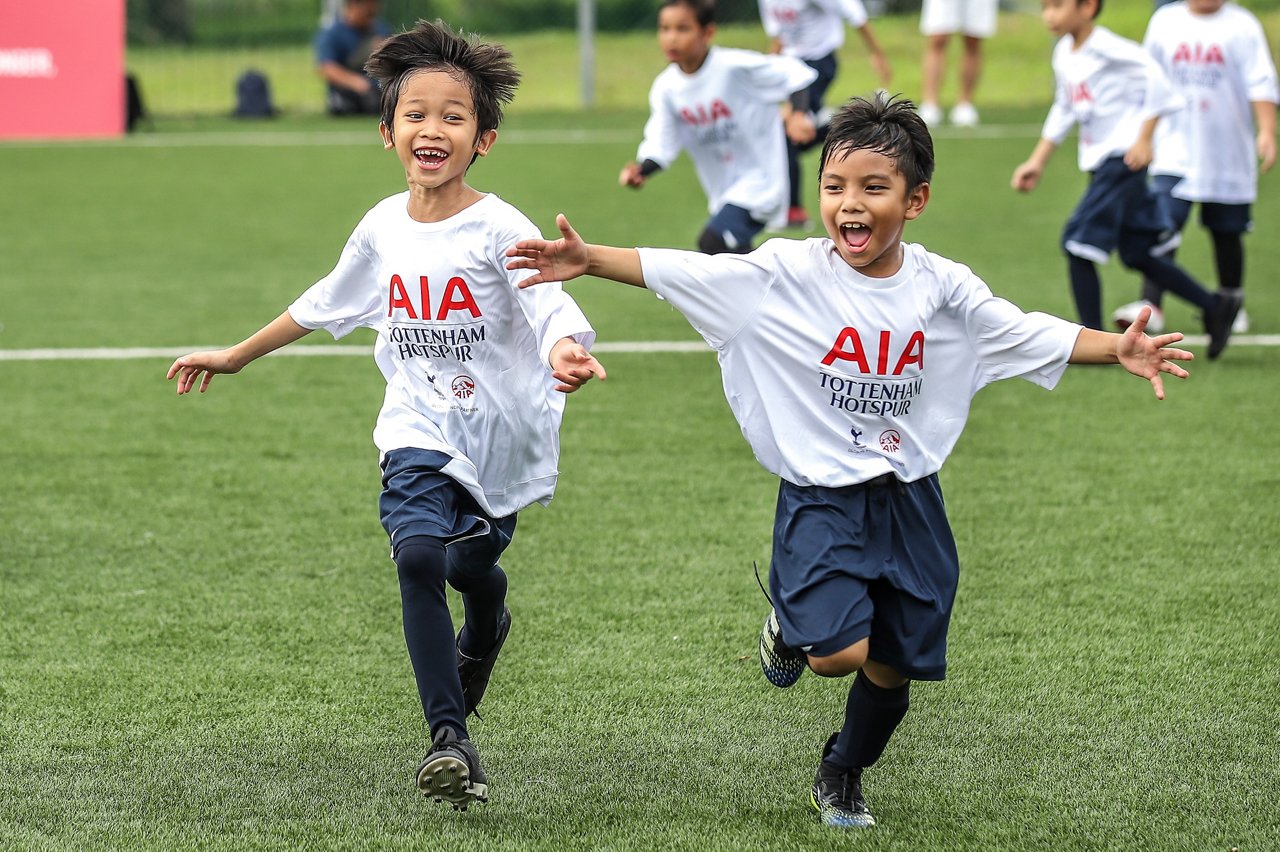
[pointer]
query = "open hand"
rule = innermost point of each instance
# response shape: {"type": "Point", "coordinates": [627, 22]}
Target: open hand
{"type": "Point", "coordinates": [1148, 357]}
{"type": "Point", "coordinates": [554, 260]}
{"type": "Point", "coordinates": [573, 366]}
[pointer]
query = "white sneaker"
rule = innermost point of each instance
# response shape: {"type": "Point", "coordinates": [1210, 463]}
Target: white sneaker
{"type": "Point", "coordinates": [1125, 316]}
{"type": "Point", "coordinates": [1241, 325]}
{"type": "Point", "coordinates": [930, 114]}
{"type": "Point", "coordinates": [964, 115]}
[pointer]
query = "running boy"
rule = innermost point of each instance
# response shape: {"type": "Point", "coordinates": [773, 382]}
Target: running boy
{"type": "Point", "coordinates": [1117, 94]}
{"type": "Point", "coordinates": [850, 362]}
{"type": "Point", "coordinates": [813, 31]}
{"type": "Point", "coordinates": [721, 105]}
{"type": "Point", "coordinates": [1217, 56]}
{"type": "Point", "coordinates": [468, 430]}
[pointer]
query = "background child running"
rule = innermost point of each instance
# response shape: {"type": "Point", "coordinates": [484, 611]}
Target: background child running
{"type": "Point", "coordinates": [850, 362]}
{"type": "Point", "coordinates": [721, 105]}
{"type": "Point", "coordinates": [1117, 94]}
{"type": "Point", "coordinates": [475, 368]}
{"type": "Point", "coordinates": [1217, 56]}
{"type": "Point", "coordinates": [813, 31]}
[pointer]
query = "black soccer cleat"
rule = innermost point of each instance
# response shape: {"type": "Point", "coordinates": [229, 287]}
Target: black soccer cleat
{"type": "Point", "coordinates": [1219, 319]}
{"type": "Point", "coordinates": [837, 795]}
{"type": "Point", "coordinates": [451, 772]}
{"type": "Point", "coordinates": [475, 672]}
{"type": "Point", "coordinates": [782, 665]}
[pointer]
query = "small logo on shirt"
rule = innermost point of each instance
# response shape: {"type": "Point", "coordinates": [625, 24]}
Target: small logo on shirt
{"type": "Point", "coordinates": [890, 440]}
{"type": "Point", "coordinates": [464, 387]}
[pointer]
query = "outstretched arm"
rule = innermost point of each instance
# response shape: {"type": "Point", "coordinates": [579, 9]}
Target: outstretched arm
{"type": "Point", "coordinates": [879, 62]}
{"type": "Point", "coordinates": [281, 331]}
{"type": "Point", "coordinates": [570, 257]}
{"type": "Point", "coordinates": [1146, 357]}
{"type": "Point", "coordinates": [1027, 175]}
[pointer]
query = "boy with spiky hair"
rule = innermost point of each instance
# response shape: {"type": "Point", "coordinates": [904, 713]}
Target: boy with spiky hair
{"type": "Point", "coordinates": [476, 369]}
{"type": "Point", "coordinates": [850, 362]}
{"type": "Point", "coordinates": [1117, 94]}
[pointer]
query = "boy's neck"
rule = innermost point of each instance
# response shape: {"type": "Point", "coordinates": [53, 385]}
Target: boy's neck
{"type": "Point", "coordinates": [1080, 36]}
{"type": "Point", "coordinates": [440, 203]}
{"type": "Point", "coordinates": [693, 66]}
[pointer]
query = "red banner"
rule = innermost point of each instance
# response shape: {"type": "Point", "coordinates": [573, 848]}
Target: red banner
{"type": "Point", "coordinates": [61, 69]}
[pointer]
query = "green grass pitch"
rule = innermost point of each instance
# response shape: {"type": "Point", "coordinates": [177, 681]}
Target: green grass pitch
{"type": "Point", "coordinates": [199, 627]}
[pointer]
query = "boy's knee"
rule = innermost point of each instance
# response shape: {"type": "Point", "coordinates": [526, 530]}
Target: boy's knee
{"type": "Point", "coordinates": [841, 663]}
{"type": "Point", "coordinates": [421, 558]}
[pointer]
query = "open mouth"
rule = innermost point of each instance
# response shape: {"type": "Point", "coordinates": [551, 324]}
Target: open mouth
{"type": "Point", "coordinates": [855, 236]}
{"type": "Point", "coordinates": [430, 158]}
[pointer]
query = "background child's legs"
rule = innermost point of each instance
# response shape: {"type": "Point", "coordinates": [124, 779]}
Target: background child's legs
{"type": "Point", "coordinates": [1178, 211]}
{"type": "Point", "coordinates": [826, 68]}
{"type": "Point", "coordinates": [730, 230]}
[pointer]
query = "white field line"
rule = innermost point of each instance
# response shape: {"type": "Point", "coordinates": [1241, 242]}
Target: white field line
{"type": "Point", "coordinates": [297, 138]}
{"type": "Point", "coordinates": [137, 353]}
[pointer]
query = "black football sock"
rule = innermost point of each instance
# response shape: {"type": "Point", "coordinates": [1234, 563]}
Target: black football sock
{"type": "Point", "coordinates": [428, 631]}
{"type": "Point", "coordinates": [483, 598]}
{"type": "Point", "coordinates": [793, 172]}
{"type": "Point", "coordinates": [1086, 288]}
{"type": "Point", "coordinates": [871, 715]}
{"type": "Point", "coordinates": [1228, 254]}
{"type": "Point", "coordinates": [1152, 292]}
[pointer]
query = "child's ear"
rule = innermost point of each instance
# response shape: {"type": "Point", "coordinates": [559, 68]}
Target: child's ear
{"type": "Point", "coordinates": [917, 199]}
{"type": "Point", "coordinates": [385, 133]}
{"type": "Point", "coordinates": [485, 142]}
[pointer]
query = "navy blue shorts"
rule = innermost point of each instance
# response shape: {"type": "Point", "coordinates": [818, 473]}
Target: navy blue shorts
{"type": "Point", "coordinates": [826, 68]}
{"type": "Point", "coordinates": [876, 559]}
{"type": "Point", "coordinates": [1218, 218]}
{"type": "Point", "coordinates": [736, 226]}
{"type": "Point", "coordinates": [417, 499]}
{"type": "Point", "coordinates": [1119, 212]}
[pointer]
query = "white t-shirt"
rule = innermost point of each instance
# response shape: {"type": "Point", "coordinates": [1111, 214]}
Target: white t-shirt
{"type": "Point", "coordinates": [726, 116]}
{"type": "Point", "coordinates": [1109, 86]}
{"type": "Point", "coordinates": [837, 378]}
{"type": "Point", "coordinates": [1221, 64]}
{"type": "Point", "coordinates": [810, 29]}
{"type": "Point", "coordinates": [463, 350]}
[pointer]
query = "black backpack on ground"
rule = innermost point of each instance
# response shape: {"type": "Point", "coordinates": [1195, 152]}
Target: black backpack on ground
{"type": "Point", "coordinates": [253, 96]}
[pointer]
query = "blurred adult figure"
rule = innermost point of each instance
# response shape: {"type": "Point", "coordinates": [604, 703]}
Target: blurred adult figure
{"type": "Point", "coordinates": [974, 21]}
{"type": "Point", "coordinates": [342, 48]}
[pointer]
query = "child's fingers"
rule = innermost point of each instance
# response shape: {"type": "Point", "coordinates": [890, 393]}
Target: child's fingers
{"type": "Point", "coordinates": [562, 222]}
{"type": "Point", "coordinates": [1158, 385]}
{"type": "Point", "coordinates": [531, 281]}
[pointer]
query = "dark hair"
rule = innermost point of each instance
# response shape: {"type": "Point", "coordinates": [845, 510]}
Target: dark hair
{"type": "Point", "coordinates": [703, 10]}
{"type": "Point", "coordinates": [487, 68]}
{"type": "Point", "coordinates": [885, 125]}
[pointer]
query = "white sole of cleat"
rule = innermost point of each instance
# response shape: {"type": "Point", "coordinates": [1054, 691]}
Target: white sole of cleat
{"type": "Point", "coordinates": [448, 779]}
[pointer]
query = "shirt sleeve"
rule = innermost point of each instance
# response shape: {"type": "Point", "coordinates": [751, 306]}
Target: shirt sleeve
{"type": "Point", "coordinates": [1259, 71]}
{"type": "Point", "coordinates": [1061, 119]}
{"type": "Point", "coordinates": [718, 294]}
{"type": "Point", "coordinates": [326, 46]}
{"type": "Point", "coordinates": [1008, 342]}
{"type": "Point", "coordinates": [771, 28]}
{"type": "Point", "coordinates": [1159, 96]}
{"type": "Point", "coordinates": [550, 312]}
{"type": "Point", "coordinates": [772, 77]}
{"type": "Point", "coordinates": [661, 142]}
{"type": "Point", "coordinates": [345, 299]}
{"type": "Point", "coordinates": [853, 11]}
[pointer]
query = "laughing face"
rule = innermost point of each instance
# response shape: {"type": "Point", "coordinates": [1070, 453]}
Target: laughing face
{"type": "Point", "coordinates": [865, 205]}
{"type": "Point", "coordinates": [435, 135]}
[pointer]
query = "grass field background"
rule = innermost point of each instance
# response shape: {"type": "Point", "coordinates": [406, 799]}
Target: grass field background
{"type": "Point", "coordinates": [199, 628]}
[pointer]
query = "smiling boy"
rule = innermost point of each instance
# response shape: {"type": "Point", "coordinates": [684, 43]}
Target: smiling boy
{"type": "Point", "coordinates": [476, 370]}
{"type": "Point", "coordinates": [850, 362]}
